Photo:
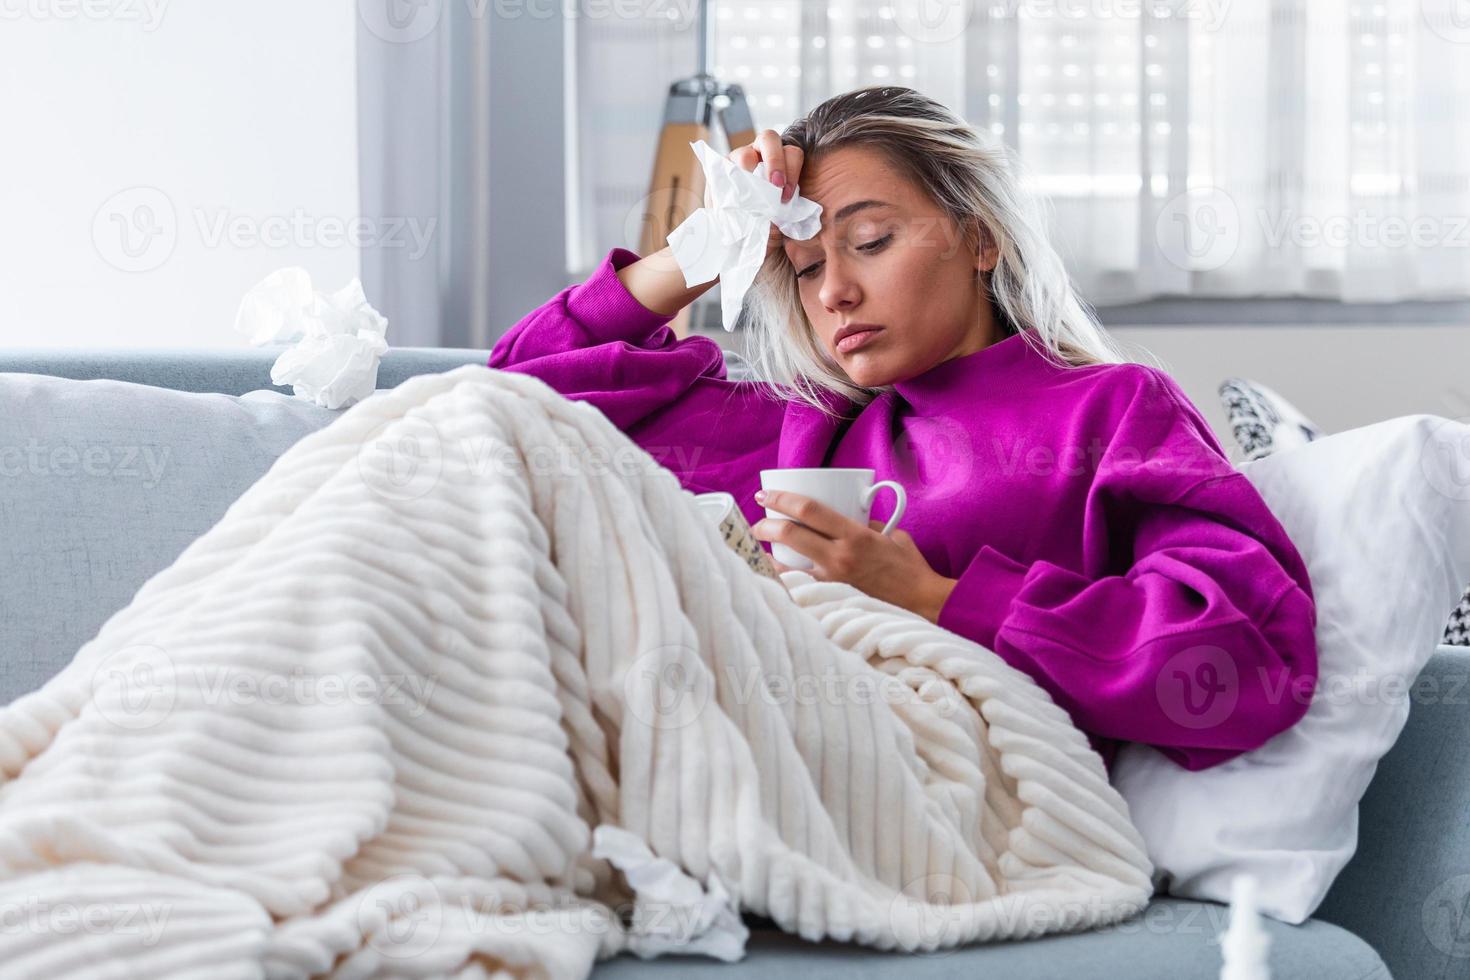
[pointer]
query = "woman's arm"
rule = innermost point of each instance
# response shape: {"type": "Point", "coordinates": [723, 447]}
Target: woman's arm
{"type": "Point", "coordinates": [597, 342]}
{"type": "Point", "coordinates": [657, 283]}
{"type": "Point", "coordinates": [1204, 645]}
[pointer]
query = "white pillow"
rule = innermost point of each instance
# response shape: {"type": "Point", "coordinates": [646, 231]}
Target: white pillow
{"type": "Point", "coordinates": [1381, 515]}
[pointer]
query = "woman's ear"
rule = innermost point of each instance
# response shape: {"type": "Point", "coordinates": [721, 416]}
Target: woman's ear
{"type": "Point", "coordinates": [987, 252]}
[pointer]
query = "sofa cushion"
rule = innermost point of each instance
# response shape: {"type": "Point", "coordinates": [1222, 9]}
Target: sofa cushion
{"type": "Point", "coordinates": [1407, 890]}
{"type": "Point", "coordinates": [1172, 939]}
{"type": "Point", "coordinates": [102, 484]}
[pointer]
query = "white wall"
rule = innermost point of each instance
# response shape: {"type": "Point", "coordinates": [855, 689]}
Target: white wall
{"type": "Point", "coordinates": [1340, 377]}
{"type": "Point", "coordinates": [162, 156]}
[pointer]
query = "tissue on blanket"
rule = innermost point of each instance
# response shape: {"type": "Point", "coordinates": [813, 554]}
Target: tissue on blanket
{"type": "Point", "coordinates": [729, 238]}
{"type": "Point", "coordinates": [672, 914]}
{"type": "Point", "coordinates": [362, 728]}
{"type": "Point", "coordinates": [338, 337]}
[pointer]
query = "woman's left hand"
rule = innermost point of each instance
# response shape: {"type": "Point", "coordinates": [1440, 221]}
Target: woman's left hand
{"type": "Point", "coordinates": [885, 566]}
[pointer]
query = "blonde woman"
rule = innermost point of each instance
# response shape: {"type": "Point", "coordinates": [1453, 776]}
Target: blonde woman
{"type": "Point", "coordinates": [1068, 508]}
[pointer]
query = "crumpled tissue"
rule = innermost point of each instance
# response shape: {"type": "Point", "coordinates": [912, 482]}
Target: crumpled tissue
{"type": "Point", "coordinates": [672, 913]}
{"type": "Point", "coordinates": [729, 238]}
{"type": "Point", "coordinates": [338, 337]}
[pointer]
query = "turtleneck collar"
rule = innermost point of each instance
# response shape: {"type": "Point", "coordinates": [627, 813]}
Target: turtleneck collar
{"type": "Point", "coordinates": [940, 383]}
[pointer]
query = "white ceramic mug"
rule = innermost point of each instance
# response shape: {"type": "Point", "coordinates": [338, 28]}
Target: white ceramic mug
{"type": "Point", "coordinates": [849, 491]}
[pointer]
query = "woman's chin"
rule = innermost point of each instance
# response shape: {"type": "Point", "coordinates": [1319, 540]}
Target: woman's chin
{"type": "Point", "coordinates": [866, 372]}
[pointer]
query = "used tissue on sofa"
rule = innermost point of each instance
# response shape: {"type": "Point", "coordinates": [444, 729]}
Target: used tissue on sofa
{"type": "Point", "coordinates": [672, 912]}
{"type": "Point", "coordinates": [338, 337]}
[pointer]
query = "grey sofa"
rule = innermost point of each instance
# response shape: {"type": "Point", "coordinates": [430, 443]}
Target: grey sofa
{"type": "Point", "coordinates": [171, 447]}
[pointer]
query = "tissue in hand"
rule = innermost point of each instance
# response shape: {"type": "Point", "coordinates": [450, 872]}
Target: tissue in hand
{"type": "Point", "coordinates": [338, 338]}
{"type": "Point", "coordinates": [729, 238]}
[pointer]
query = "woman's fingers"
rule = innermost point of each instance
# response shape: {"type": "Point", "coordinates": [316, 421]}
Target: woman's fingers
{"type": "Point", "coordinates": [794, 159]}
{"type": "Point", "coordinates": [785, 161]}
{"type": "Point", "coordinates": [802, 540]}
{"type": "Point", "coordinates": [809, 511]}
{"type": "Point", "coordinates": [774, 155]}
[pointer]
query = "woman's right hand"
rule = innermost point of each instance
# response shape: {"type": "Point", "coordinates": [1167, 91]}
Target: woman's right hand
{"type": "Point", "coordinates": [783, 168]}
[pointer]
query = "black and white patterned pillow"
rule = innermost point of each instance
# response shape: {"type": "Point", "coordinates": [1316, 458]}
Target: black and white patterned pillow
{"type": "Point", "coordinates": [1263, 422]}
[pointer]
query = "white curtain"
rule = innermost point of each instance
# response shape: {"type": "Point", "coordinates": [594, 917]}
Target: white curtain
{"type": "Point", "coordinates": [1316, 148]}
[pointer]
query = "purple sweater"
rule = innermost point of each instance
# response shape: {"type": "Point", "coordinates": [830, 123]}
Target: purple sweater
{"type": "Point", "coordinates": [1102, 541]}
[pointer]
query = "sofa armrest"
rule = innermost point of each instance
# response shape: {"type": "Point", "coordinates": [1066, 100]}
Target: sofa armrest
{"type": "Point", "coordinates": [1407, 889]}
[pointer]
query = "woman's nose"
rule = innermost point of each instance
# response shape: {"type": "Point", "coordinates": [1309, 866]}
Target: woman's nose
{"type": "Point", "coordinates": [839, 289]}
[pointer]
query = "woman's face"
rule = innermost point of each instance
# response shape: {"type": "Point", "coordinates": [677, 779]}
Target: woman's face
{"type": "Point", "coordinates": [887, 256]}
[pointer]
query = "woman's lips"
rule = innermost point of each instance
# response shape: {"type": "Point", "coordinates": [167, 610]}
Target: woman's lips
{"type": "Point", "coordinates": [853, 341]}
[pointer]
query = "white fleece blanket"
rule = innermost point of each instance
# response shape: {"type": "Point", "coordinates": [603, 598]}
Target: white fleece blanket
{"type": "Point", "coordinates": [368, 723]}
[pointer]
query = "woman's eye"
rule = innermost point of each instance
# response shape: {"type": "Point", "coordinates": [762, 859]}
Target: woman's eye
{"type": "Point", "coordinates": [869, 247]}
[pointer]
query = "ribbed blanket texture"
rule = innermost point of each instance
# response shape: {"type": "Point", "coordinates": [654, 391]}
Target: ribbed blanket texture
{"type": "Point", "coordinates": [367, 724]}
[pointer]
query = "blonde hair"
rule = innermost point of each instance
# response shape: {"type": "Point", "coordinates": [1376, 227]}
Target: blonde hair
{"type": "Point", "coordinates": [973, 180]}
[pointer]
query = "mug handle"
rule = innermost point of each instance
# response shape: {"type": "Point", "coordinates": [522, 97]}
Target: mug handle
{"type": "Point", "coordinates": [899, 504]}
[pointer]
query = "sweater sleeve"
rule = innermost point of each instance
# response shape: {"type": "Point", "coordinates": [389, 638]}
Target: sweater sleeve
{"type": "Point", "coordinates": [1197, 632]}
{"type": "Point", "coordinates": [594, 342]}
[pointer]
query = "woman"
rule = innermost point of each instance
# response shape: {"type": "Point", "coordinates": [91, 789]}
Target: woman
{"type": "Point", "coordinates": [1068, 509]}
